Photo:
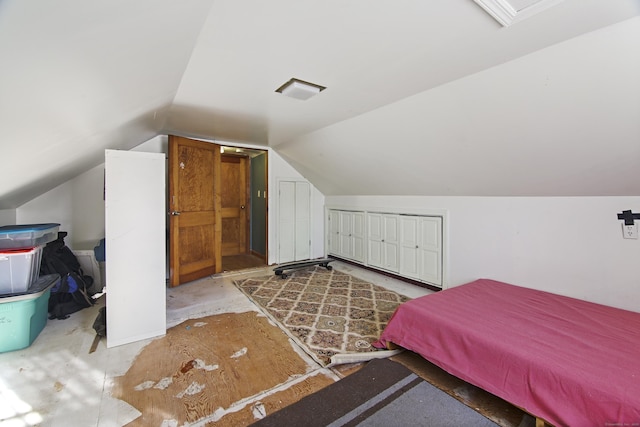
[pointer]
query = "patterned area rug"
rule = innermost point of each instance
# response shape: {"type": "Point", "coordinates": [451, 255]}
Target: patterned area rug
{"type": "Point", "coordinates": [325, 311]}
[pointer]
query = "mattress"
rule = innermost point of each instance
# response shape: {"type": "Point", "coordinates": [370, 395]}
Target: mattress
{"type": "Point", "coordinates": [568, 361]}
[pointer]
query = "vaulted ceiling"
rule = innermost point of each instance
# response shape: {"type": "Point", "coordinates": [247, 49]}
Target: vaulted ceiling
{"type": "Point", "coordinates": [423, 97]}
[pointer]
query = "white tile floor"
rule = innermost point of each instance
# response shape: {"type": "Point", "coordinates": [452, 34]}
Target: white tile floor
{"type": "Point", "coordinates": [57, 382]}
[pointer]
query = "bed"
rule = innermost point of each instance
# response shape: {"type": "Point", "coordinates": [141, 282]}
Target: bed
{"type": "Point", "coordinates": [567, 361]}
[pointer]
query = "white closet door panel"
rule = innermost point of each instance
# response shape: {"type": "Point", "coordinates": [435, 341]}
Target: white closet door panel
{"type": "Point", "coordinates": [345, 222]}
{"type": "Point", "coordinates": [391, 260]}
{"type": "Point", "coordinates": [430, 243]}
{"type": "Point", "coordinates": [358, 249]}
{"type": "Point", "coordinates": [334, 232]}
{"type": "Point", "coordinates": [375, 226]}
{"type": "Point", "coordinates": [391, 257]}
{"type": "Point", "coordinates": [430, 264]}
{"type": "Point", "coordinates": [358, 224]}
{"type": "Point", "coordinates": [135, 215]}
{"type": "Point", "coordinates": [409, 231]}
{"type": "Point", "coordinates": [286, 221]}
{"type": "Point", "coordinates": [409, 258]}
{"type": "Point", "coordinates": [375, 240]}
{"type": "Point", "coordinates": [345, 234]}
{"type": "Point", "coordinates": [391, 228]}
{"type": "Point", "coordinates": [345, 246]}
{"type": "Point", "coordinates": [374, 253]}
{"type": "Point", "coordinates": [358, 236]}
{"type": "Point", "coordinates": [409, 262]}
{"type": "Point", "coordinates": [430, 233]}
{"type": "Point", "coordinates": [302, 221]}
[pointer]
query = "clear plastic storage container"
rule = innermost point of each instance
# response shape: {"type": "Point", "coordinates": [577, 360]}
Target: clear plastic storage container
{"type": "Point", "coordinates": [19, 268]}
{"type": "Point", "coordinates": [27, 235]}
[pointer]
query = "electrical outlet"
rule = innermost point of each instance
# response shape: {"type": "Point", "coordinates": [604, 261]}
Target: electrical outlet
{"type": "Point", "coordinates": [630, 231]}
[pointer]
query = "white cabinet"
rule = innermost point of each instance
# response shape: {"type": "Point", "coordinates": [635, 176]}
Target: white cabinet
{"type": "Point", "coordinates": [421, 248]}
{"type": "Point", "coordinates": [294, 219]}
{"type": "Point", "coordinates": [409, 259]}
{"type": "Point", "coordinates": [407, 245]}
{"type": "Point", "coordinates": [346, 237]}
{"type": "Point", "coordinates": [382, 241]}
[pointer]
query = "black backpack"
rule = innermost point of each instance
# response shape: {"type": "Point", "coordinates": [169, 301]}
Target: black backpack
{"type": "Point", "coordinates": [71, 294]}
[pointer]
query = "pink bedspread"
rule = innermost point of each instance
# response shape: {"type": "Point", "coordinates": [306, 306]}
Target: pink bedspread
{"type": "Point", "coordinates": [570, 362]}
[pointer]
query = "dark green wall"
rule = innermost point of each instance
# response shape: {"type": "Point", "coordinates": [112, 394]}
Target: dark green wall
{"type": "Point", "coordinates": [259, 204]}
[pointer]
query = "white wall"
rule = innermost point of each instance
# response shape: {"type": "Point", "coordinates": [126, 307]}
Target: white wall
{"type": "Point", "coordinates": [77, 205]}
{"type": "Point", "coordinates": [562, 121]}
{"type": "Point", "coordinates": [566, 245]}
{"type": "Point", "coordinates": [8, 217]}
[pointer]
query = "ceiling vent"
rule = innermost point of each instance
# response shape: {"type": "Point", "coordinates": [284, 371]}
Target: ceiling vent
{"type": "Point", "coordinates": [509, 12]}
{"type": "Point", "coordinates": [300, 89]}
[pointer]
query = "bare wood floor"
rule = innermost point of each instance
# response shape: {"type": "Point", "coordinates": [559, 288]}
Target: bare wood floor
{"type": "Point", "coordinates": [492, 407]}
{"type": "Point", "coordinates": [241, 262]}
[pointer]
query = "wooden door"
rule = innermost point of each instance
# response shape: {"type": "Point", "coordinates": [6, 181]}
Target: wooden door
{"type": "Point", "coordinates": [234, 198]}
{"type": "Point", "coordinates": [194, 210]}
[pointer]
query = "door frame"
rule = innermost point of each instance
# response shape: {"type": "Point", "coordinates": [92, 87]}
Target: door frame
{"type": "Point", "coordinates": [244, 217]}
{"type": "Point", "coordinates": [267, 180]}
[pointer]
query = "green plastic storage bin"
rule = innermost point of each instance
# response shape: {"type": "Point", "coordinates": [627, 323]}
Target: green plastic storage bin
{"type": "Point", "coordinates": [24, 316]}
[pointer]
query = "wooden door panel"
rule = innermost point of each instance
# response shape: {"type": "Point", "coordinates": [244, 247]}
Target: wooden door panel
{"type": "Point", "coordinates": [196, 246]}
{"type": "Point", "coordinates": [194, 205]}
{"type": "Point", "coordinates": [234, 205]}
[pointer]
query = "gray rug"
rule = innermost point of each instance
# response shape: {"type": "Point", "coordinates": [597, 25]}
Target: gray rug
{"type": "Point", "coordinates": [382, 393]}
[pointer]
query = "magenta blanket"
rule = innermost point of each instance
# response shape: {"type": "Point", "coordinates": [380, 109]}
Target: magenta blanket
{"type": "Point", "coordinates": [568, 361]}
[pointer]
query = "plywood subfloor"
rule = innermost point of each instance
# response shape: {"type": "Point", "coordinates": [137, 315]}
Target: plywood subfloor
{"type": "Point", "coordinates": [218, 369]}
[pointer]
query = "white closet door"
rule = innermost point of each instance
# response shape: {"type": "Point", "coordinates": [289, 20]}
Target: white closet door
{"type": "Point", "coordinates": [358, 236]}
{"type": "Point", "coordinates": [294, 221]}
{"type": "Point", "coordinates": [334, 232]}
{"type": "Point", "coordinates": [430, 242]}
{"type": "Point", "coordinates": [390, 243]}
{"type": "Point", "coordinates": [409, 255]}
{"type": "Point", "coordinates": [345, 234]}
{"type": "Point", "coordinates": [286, 221]}
{"type": "Point", "coordinates": [303, 221]}
{"type": "Point", "coordinates": [135, 214]}
{"type": "Point", "coordinates": [375, 240]}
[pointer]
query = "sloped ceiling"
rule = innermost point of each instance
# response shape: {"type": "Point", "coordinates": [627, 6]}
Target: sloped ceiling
{"type": "Point", "coordinates": [423, 97]}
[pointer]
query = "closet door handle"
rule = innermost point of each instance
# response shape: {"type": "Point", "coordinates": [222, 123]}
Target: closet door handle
{"type": "Point", "coordinates": [174, 213]}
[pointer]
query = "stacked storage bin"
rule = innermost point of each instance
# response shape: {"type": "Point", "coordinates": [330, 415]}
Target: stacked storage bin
{"type": "Point", "coordinates": [24, 296]}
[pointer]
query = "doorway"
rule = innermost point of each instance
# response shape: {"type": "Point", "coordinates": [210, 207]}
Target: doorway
{"type": "Point", "coordinates": [244, 208]}
{"type": "Point", "coordinates": [213, 226]}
